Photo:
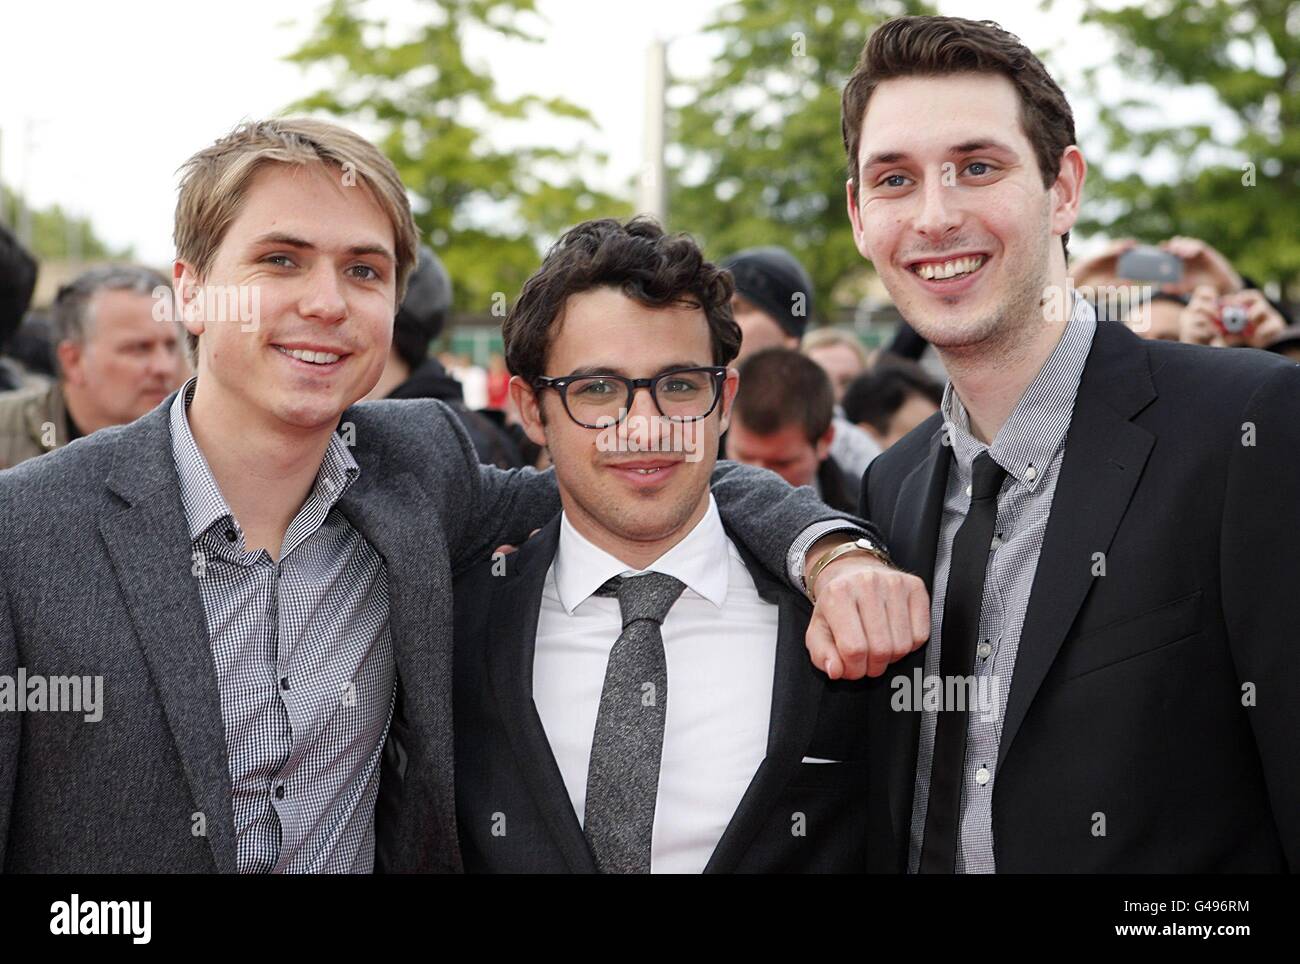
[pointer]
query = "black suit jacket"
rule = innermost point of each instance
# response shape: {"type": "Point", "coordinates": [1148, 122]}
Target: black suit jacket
{"type": "Point", "coordinates": [504, 764]}
{"type": "Point", "coordinates": [1181, 478]}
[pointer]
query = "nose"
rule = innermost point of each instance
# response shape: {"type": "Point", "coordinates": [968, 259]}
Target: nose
{"type": "Point", "coordinates": [641, 427]}
{"type": "Point", "coordinates": [938, 216]}
{"type": "Point", "coordinates": [162, 360]}
{"type": "Point", "coordinates": [322, 298]}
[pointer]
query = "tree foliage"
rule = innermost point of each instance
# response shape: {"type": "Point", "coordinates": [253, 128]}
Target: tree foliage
{"type": "Point", "coordinates": [486, 208]}
{"type": "Point", "coordinates": [1236, 175]}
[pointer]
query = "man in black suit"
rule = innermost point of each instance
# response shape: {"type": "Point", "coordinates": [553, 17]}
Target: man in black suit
{"type": "Point", "coordinates": [631, 691]}
{"type": "Point", "coordinates": [1119, 597]}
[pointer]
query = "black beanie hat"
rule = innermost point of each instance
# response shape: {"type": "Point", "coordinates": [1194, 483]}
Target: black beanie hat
{"type": "Point", "coordinates": [771, 278]}
{"type": "Point", "coordinates": [424, 309]}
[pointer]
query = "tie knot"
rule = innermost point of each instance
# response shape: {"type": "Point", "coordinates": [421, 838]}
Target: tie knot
{"type": "Point", "coordinates": [647, 596]}
{"type": "Point", "coordinates": [988, 477]}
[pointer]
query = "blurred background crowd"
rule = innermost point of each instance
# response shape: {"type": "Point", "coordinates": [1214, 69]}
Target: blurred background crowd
{"type": "Point", "coordinates": [1189, 228]}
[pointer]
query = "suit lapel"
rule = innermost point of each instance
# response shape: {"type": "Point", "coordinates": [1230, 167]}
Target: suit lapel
{"type": "Point", "coordinates": [398, 518]}
{"type": "Point", "coordinates": [914, 542]}
{"type": "Point", "coordinates": [148, 543]}
{"type": "Point", "coordinates": [796, 698]}
{"type": "Point", "coordinates": [1105, 454]}
{"type": "Point", "coordinates": [512, 642]}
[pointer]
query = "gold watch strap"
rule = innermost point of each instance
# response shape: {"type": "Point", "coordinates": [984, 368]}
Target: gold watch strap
{"type": "Point", "coordinates": [844, 549]}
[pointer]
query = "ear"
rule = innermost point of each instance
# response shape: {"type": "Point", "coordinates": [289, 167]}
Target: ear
{"type": "Point", "coordinates": [185, 284]}
{"type": "Point", "coordinates": [1067, 191]}
{"type": "Point", "coordinates": [529, 407]}
{"type": "Point", "coordinates": [729, 386]}
{"type": "Point", "coordinates": [69, 353]}
{"type": "Point", "coordinates": [823, 446]}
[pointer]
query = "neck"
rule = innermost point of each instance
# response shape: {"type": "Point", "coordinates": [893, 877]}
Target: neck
{"type": "Point", "coordinates": [264, 468]}
{"type": "Point", "coordinates": [82, 411]}
{"type": "Point", "coordinates": [991, 377]}
{"type": "Point", "coordinates": [635, 553]}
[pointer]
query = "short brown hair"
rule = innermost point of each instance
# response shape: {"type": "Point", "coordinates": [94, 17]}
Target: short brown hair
{"type": "Point", "coordinates": [934, 46]}
{"type": "Point", "coordinates": [780, 387]}
{"type": "Point", "coordinates": [656, 269]}
{"type": "Point", "coordinates": [215, 180]}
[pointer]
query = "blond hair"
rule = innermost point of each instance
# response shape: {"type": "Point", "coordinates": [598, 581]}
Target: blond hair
{"type": "Point", "coordinates": [826, 337]}
{"type": "Point", "coordinates": [215, 180]}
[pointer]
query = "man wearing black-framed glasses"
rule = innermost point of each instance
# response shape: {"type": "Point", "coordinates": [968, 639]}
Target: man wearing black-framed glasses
{"type": "Point", "coordinates": [630, 690]}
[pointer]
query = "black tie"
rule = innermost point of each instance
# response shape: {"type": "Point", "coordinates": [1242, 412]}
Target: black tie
{"type": "Point", "coordinates": [961, 625]}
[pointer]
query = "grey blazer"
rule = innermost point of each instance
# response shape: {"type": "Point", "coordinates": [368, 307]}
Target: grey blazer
{"type": "Point", "coordinates": [95, 580]}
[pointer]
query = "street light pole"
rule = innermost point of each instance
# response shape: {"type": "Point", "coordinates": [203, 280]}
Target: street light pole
{"type": "Point", "coordinates": [652, 194]}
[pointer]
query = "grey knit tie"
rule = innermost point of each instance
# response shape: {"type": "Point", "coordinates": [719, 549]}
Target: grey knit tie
{"type": "Point", "coordinates": [623, 776]}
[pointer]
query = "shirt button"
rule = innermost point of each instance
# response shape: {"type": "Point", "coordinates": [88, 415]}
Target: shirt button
{"type": "Point", "coordinates": [996, 543]}
{"type": "Point", "coordinates": [231, 536]}
{"type": "Point", "coordinates": [970, 490]}
{"type": "Point", "coordinates": [279, 791]}
{"type": "Point", "coordinates": [984, 650]}
{"type": "Point", "coordinates": [1031, 473]}
{"type": "Point", "coordinates": [284, 682]}
{"type": "Point", "coordinates": [982, 776]}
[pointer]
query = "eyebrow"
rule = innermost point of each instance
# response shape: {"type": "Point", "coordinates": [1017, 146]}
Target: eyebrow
{"type": "Point", "coordinates": [622, 373]}
{"type": "Point", "coordinates": [292, 241]}
{"type": "Point", "coordinates": [965, 147]}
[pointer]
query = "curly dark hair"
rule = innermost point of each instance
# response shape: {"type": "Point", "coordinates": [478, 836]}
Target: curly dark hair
{"type": "Point", "coordinates": [638, 258]}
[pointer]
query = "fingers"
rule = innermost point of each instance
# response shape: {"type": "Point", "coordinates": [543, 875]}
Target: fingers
{"type": "Point", "coordinates": [871, 610]}
{"type": "Point", "coordinates": [865, 619]}
{"type": "Point", "coordinates": [1196, 322]}
{"type": "Point", "coordinates": [918, 607]}
{"type": "Point", "coordinates": [849, 630]}
{"type": "Point", "coordinates": [1266, 330]}
{"type": "Point", "coordinates": [900, 626]}
{"type": "Point", "coordinates": [821, 648]}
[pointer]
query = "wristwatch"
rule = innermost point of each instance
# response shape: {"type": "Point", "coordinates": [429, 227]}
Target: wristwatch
{"type": "Point", "coordinates": [857, 545]}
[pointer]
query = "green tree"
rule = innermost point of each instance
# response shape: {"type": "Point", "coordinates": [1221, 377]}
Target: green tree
{"type": "Point", "coordinates": [486, 209]}
{"type": "Point", "coordinates": [758, 154]}
{"type": "Point", "coordinates": [1236, 176]}
{"type": "Point", "coordinates": [54, 234]}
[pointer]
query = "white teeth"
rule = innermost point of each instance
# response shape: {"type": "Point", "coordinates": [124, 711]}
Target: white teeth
{"type": "Point", "coordinates": [949, 269]}
{"type": "Point", "coordinates": [313, 357]}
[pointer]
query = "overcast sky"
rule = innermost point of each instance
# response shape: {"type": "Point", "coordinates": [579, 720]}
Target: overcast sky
{"type": "Point", "coordinates": [102, 102]}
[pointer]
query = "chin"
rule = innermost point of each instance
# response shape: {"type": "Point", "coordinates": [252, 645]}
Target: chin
{"type": "Point", "coordinates": [648, 520]}
{"type": "Point", "coordinates": [305, 415]}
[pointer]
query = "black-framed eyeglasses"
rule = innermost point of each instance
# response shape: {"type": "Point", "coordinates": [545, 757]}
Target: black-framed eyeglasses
{"type": "Point", "coordinates": [599, 401]}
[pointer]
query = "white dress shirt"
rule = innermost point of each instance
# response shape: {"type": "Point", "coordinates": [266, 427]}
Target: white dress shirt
{"type": "Point", "coordinates": [720, 644]}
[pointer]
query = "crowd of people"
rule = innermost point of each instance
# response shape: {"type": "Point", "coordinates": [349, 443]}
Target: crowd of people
{"type": "Point", "coordinates": [341, 621]}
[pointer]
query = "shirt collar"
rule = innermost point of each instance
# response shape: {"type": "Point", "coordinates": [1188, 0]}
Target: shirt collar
{"type": "Point", "coordinates": [581, 567]}
{"type": "Point", "coordinates": [1028, 441]}
{"type": "Point", "coordinates": [201, 496]}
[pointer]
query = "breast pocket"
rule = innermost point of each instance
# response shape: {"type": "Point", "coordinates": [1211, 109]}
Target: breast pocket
{"type": "Point", "coordinates": [1133, 636]}
{"type": "Point", "coordinates": [844, 775]}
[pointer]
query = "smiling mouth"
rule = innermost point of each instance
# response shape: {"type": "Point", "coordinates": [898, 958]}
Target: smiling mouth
{"type": "Point", "coordinates": [952, 269]}
{"type": "Point", "coordinates": [310, 357]}
{"type": "Point", "coordinates": [644, 470]}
